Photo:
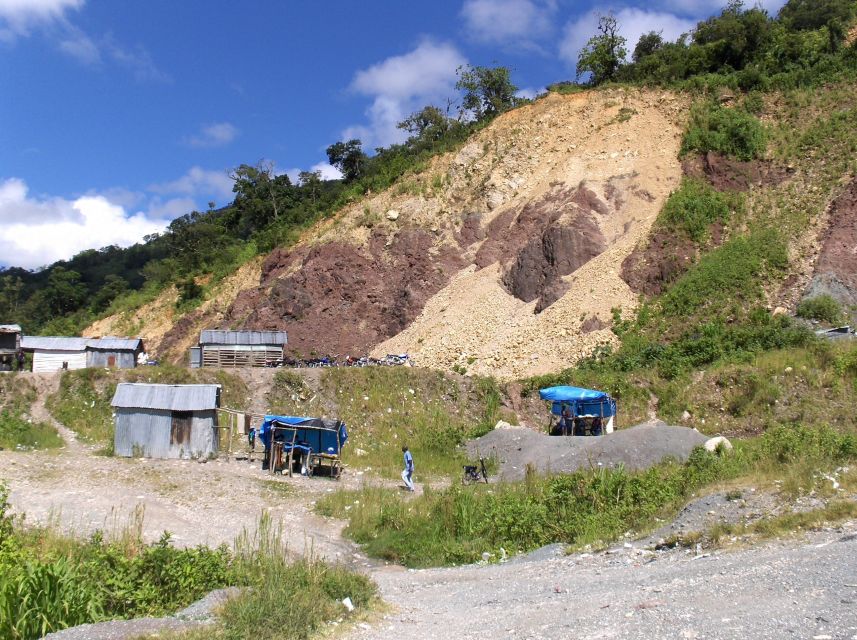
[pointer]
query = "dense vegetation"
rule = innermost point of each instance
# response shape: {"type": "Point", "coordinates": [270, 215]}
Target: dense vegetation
{"type": "Point", "coordinates": [50, 582]}
{"type": "Point", "coordinates": [742, 48]}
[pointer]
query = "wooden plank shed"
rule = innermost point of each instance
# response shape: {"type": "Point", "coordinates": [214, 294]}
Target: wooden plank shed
{"type": "Point", "coordinates": [166, 420]}
{"type": "Point", "coordinates": [241, 348]}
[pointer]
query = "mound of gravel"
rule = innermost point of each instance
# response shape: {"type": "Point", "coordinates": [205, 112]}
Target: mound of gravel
{"type": "Point", "coordinates": [638, 447]}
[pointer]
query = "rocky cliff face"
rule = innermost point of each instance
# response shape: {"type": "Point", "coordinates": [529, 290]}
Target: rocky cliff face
{"type": "Point", "coordinates": [503, 258]}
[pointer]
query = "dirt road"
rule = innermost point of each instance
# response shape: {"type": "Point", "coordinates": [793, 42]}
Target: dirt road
{"type": "Point", "coordinates": [804, 589]}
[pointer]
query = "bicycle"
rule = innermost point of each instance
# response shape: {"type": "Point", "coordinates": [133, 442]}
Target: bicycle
{"type": "Point", "coordinates": [475, 473]}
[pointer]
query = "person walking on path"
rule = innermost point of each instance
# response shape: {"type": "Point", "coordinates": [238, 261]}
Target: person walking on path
{"type": "Point", "coordinates": [408, 473]}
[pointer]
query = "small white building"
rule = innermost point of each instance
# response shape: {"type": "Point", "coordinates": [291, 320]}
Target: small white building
{"type": "Point", "coordinates": [52, 353]}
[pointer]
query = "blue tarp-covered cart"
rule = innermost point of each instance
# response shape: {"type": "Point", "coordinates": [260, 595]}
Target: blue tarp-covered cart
{"type": "Point", "coordinates": [579, 411]}
{"type": "Point", "coordinates": [312, 443]}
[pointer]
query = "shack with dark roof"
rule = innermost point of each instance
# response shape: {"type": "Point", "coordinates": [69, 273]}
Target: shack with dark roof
{"type": "Point", "coordinates": [166, 420]}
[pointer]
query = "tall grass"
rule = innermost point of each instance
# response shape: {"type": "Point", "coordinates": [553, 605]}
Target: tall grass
{"type": "Point", "coordinates": [458, 524]}
{"type": "Point", "coordinates": [50, 582]}
{"type": "Point", "coordinates": [287, 599]}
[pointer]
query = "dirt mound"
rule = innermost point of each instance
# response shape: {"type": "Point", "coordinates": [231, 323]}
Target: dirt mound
{"type": "Point", "coordinates": [635, 448]}
{"type": "Point", "coordinates": [836, 269]}
{"type": "Point", "coordinates": [729, 174]}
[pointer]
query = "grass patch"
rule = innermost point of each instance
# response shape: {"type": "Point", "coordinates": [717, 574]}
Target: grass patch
{"type": "Point", "coordinates": [696, 206]}
{"type": "Point", "coordinates": [458, 524]}
{"type": "Point", "coordinates": [17, 430]}
{"type": "Point", "coordinates": [824, 308]}
{"type": "Point", "coordinates": [82, 402]}
{"type": "Point", "coordinates": [388, 407]}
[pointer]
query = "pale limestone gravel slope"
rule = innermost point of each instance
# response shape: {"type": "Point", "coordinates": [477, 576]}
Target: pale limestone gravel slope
{"type": "Point", "coordinates": [473, 321]}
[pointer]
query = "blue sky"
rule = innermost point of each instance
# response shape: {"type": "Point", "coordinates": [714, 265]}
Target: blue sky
{"type": "Point", "coordinates": [116, 117]}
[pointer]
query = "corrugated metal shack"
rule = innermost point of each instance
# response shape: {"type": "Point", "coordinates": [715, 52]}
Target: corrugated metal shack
{"type": "Point", "coordinates": [241, 348]}
{"type": "Point", "coordinates": [166, 420]}
{"type": "Point", "coordinates": [52, 353]}
{"type": "Point", "coordinates": [55, 353]}
{"type": "Point", "coordinates": [121, 353]}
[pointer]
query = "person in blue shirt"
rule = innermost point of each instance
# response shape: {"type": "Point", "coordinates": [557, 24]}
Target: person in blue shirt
{"type": "Point", "coordinates": [408, 473]}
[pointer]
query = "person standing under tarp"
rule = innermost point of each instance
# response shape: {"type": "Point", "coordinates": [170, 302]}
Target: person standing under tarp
{"type": "Point", "coordinates": [408, 473]}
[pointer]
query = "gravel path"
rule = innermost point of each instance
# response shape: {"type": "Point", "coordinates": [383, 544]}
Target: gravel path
{"type": "Point", "coordinates": [805, 589]}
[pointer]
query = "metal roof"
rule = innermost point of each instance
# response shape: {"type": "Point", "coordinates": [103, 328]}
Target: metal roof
{"type": "Point", "coordinates": [216, 336]}
{"type": "Point", "coordinates": [53, 343]}
{"type": "Point", "coordinates": [115, 344]}
{"type": "Point", "coordinates": [10, 328]}
{"type": "Point", "coordinates": [59, 343]}
{"type": "Point", "coordinates": [168, 397]}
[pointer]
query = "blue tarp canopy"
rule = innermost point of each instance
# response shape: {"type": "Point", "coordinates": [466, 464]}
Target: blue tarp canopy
{"type": "Point", "coordinates": [583, 402]}
{"type": "Point", "coordinates": [313, 435]}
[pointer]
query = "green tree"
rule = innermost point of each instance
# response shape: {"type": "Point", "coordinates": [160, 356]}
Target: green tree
{"type": "Point", "coordinates": [488, 91]}
{"type": "Point", "coordinates": [349, 158]}
{"type": "Point", "coordinates": [113, 286]}
{"type": "Point", "coordinates": [648, 44]}
{"type": "Point", "coordinates": [64, 292]}
{"type": "Point", "coordinates": [429, 124]}
{"type": "Point", "coordinates": [260, 194]}
{"type": "Point", "coordinates": [11, 288]}
{"type": "Point", "coordinates": [808, 15]}
{"type": "Point", "coordinates": [604, 53]}
{"type": "Point", "coordinates": [310, 182]}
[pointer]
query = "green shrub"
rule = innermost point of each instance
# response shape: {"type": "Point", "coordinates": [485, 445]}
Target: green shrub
{"type": "Point", "coordinates": [823, 307]}
{"type": "Point", "coordinates": [732, 132]}
{"type": "Point", "coordinates": [696, 206]}
{"type": "Point", "coordinates": [730, 275]}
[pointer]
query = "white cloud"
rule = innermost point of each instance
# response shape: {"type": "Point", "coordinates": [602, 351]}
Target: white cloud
{"type": "Point", "coordinates": [198, 182]}
{"type": "Point", "coordinates": [328, 172]}
{"type": "Point", "coordinates": [402, 84]}
{"type": "Point", "coordinates": [41, 230]}
{"type": "Point", "coordinates": [80, 46]}
{"type": "Point", "coordinates": [137, 60]}
{"type": "Point", "coordinates": [518, 23]}
{"type": "Point", "coordinates": [529, 93]}
{"type": "Point", "coordinates": [18, 17]}
{"type": "Point", "coordinates": [701, 9]}
{"type": "Point", "coordinates": [213, 135]}
{"type": "Point", "coordinates": [633, 23]}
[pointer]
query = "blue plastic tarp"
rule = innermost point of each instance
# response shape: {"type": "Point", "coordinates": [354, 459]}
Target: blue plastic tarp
{"type": "Point", "coordinates": [583, 402]}
{"type": "Point", "coordinates": [310, 434]}
{"type": "Point", "coordinates": [570, 394]}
